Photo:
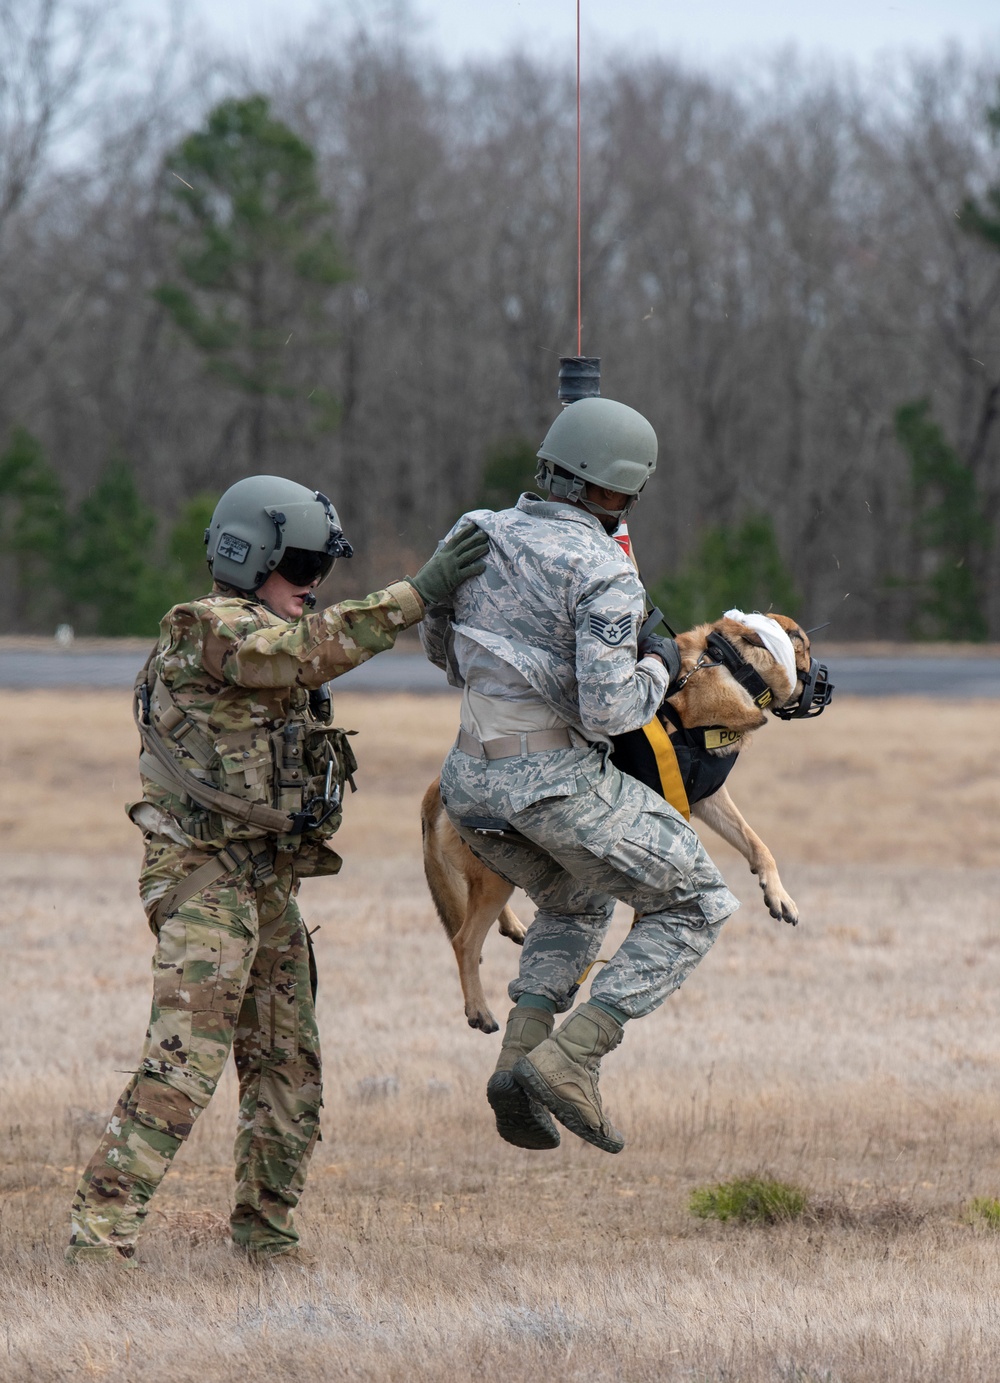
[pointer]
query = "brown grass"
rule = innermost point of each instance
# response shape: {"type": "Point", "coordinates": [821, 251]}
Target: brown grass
{"type": "Point", "coordinates": [855, 1057]}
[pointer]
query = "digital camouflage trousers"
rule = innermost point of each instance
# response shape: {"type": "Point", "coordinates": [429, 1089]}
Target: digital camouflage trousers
{"type": "Point", "coordinates": [230, 970]}
{"type": "Point", "coordinates": [597, 836]}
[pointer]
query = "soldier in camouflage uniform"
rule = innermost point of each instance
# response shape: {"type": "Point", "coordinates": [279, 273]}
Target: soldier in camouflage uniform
{"type": "Point", "coordinates": [544, 645]}
{"type": "Point", "coordinates": [242, 773]}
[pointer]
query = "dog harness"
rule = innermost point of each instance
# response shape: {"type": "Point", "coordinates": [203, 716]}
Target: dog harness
{"type": "Point", "coordinates": [676, 762]}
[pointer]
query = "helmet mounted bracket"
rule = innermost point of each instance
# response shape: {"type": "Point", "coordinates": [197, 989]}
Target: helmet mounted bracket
{"type": "Point", "coordinates": [279, 519]}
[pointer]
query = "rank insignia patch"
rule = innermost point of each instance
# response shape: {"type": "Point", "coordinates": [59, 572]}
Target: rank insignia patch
{"type": "Point", "coordinates": [613, 632]}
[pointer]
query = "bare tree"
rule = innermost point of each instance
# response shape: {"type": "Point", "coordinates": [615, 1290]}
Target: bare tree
{"type": "Point", "coordinates": [771, 267]}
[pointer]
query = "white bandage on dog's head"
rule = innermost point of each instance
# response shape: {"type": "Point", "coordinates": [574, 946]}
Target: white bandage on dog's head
{"type": "Point", "coordinates": [772, 636]}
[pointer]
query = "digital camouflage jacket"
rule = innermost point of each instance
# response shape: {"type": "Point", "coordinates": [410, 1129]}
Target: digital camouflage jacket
{"type": "Point", "coordinates": [554, 617]}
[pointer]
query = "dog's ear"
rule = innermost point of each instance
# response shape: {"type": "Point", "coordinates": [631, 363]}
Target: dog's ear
{"type": "Point", "coordinates": [794, 631]}
{"type": "Point", "coordinates": [748, 636]}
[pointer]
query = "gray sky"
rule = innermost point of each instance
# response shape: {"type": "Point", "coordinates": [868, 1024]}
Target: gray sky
{"type": "Point", "coordinates": [704, 31]}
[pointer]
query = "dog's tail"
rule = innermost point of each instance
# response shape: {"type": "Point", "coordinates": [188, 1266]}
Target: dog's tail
{"type": "Point", "coordinates": [447, 882]}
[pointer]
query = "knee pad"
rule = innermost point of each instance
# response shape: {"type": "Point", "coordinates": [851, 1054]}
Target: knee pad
{"type": "Point", "coordinates": [162, 1108]}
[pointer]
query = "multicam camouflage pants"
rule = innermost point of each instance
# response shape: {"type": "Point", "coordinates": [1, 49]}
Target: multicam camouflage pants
{"type": "Point", "coordinates": [597, 836]}
{"type": "Point", "coordinates": [231, 969]}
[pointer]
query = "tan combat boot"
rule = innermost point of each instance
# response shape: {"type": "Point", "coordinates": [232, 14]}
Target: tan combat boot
{"type": "Point", "coordinates": [520, 1119]}
{"type": "Point", "coordinates": [562, 1072]}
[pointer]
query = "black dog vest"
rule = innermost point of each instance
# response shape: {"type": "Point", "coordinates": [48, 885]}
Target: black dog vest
{"type": "Point", "coordinates": [676, 762]}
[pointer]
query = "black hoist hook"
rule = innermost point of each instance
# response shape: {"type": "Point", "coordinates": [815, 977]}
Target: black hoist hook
{"type": "Point", "coordinates": [579, 378]}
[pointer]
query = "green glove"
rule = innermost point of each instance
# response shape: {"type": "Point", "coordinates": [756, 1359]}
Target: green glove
{"type": "Point", "coordinates": [454, 562]}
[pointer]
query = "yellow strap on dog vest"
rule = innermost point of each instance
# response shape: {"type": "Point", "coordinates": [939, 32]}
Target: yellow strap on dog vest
{"type": "Point", "coordinates": [668, 768]}
{"type": "Point", "coordinates": [673, 790]}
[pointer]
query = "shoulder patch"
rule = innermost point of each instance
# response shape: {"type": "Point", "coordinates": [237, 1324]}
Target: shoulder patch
{"type": "Point", "coordinates": [612, 632]}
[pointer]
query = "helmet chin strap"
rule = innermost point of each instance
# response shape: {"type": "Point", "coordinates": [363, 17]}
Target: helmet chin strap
{"type": "Point", "coordinates": [561, 485]}
{"type": "Point", "coordinates": [610, 518]}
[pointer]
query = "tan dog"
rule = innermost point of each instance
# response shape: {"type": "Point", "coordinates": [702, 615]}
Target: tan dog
{"type": "Point", "coordinates": [469, 897]}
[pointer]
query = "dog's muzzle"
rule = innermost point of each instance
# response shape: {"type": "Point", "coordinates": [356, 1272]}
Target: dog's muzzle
{"type": "Point", "coordinates": [817, 691]}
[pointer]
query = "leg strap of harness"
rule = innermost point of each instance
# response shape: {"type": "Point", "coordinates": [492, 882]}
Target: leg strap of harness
{"type": "Point", "coordinates": [228, 861]}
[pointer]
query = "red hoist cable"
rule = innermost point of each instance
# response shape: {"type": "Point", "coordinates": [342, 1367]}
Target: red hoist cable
{"type": "Point", "coordinates": [579, 375]}
{"type": "Point", "coordinates": [579, 216]}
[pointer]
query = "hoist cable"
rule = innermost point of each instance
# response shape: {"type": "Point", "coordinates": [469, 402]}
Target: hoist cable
{"type": "Point", "coordinates": [579, 219]}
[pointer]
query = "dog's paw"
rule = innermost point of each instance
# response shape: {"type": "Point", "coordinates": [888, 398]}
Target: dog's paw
{"type": "Point", "coordinates": [789, 912]}
{"type": "Point", "coordinates": [483, 1020]}
{"type": "Point", "coordinates": [780, 904]}
{"type": "Point", "coordinates": [513, 928]}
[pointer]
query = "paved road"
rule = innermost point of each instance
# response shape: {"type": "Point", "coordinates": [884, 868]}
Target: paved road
{"type": "Point", "coordinates": [944, 677]}
{"type": "Point", "coordinates": [409, 672]}
{"type": "Point", "coordinates": [395, 672]}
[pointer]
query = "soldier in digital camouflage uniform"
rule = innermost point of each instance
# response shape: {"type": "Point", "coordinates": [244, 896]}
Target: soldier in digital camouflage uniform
{"type": "Point", "coordinates": [544, 645]}
{"type": "Point", "coordinates": [242, 773]}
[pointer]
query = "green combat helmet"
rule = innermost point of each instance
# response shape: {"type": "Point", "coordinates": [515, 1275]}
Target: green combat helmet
{"type": "Point", "coordinates": [600, 441]}
{"type": "Point", "coordinates": [264, 524]}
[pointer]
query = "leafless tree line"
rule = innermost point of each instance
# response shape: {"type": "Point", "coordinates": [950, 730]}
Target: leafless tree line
{"type": "Point", "coordinates": [772, 264]}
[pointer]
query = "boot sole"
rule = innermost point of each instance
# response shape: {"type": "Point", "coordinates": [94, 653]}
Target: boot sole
{"type": "Point", "coordinates": [564, 1110]}
{"type": "Point", "coordinates": [520, 1120]}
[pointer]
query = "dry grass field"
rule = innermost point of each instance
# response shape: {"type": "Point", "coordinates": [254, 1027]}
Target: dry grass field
{"type": "Point", "coordinates": [857, 1057]}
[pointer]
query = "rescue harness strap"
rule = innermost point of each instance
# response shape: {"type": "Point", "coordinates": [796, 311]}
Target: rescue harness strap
{"type": "Point", "coordinates": [229, 860]}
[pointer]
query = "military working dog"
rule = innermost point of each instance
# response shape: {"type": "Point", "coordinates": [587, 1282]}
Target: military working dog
{"type": "Point", "coordinates": [729, 680]}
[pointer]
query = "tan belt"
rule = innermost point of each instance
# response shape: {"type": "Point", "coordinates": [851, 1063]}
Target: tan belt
{"type": "Point", "coordinates": [508, 746]}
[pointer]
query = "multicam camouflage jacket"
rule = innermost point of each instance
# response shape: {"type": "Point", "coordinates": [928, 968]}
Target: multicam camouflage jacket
{"type": "Point", "coordinates": [238, 695]}
{"type": "Point", "coordinates": [554, 617]}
